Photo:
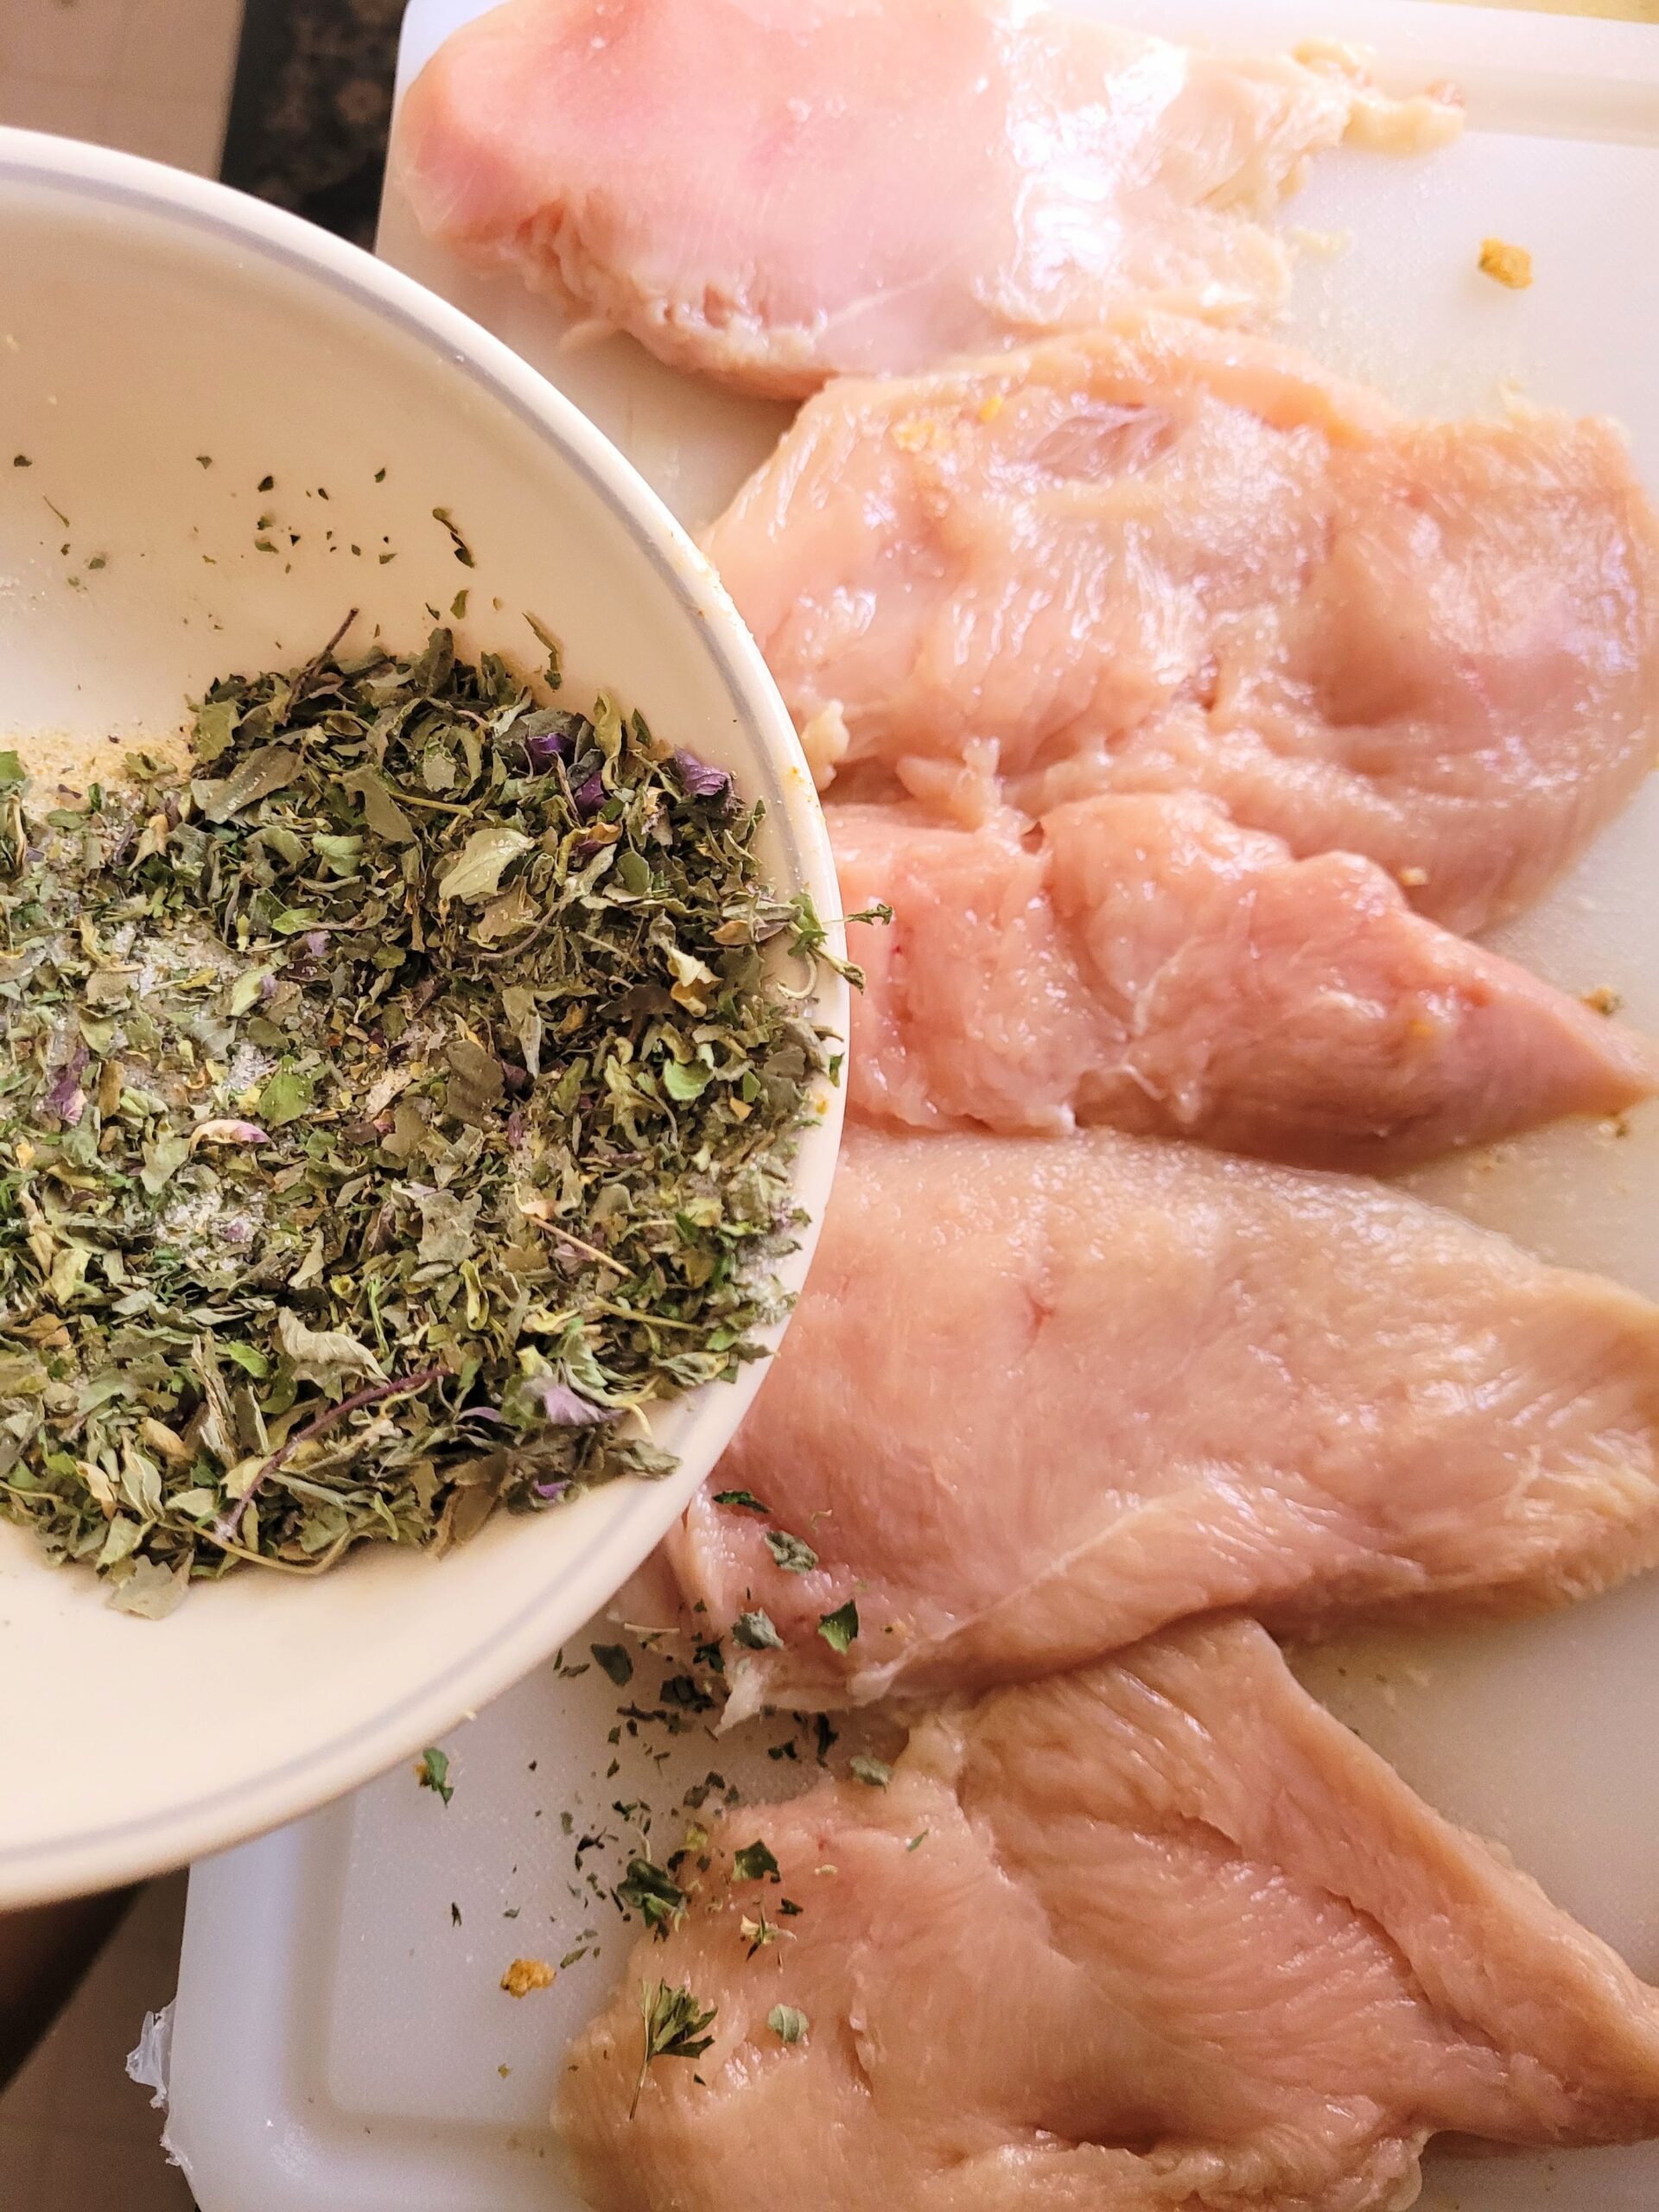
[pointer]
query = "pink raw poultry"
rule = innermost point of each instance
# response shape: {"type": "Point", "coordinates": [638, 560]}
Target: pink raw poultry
{"type": "Point", "coordinates": [1042, 1396]}
{"type": "Point", "coordinates": [772, 192]}
{"type": "Point", "coordinates": [1146, 962]}
{"type": "Point", "coordinates": [1171, 558]}
{"type": "Point", "coordinates": [1157, 1936]}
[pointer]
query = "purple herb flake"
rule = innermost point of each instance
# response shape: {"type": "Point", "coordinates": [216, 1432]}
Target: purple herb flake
{"type": "Point", "coordinates": [699, 778]}
{"type": "Point", "coordinates": [563, 1408]}
{"type": "Point", "coordinates": [66, 1098]}
{"type": "Point", "coordinates": [546, 747]}
{"type": "Point", "coordinates": [229, 1132]}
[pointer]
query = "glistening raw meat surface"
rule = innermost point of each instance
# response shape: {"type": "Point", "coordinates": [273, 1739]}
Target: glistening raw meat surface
{"type": "Point", "coordinates": [1042, 1396]}
{"type": "Point", "coordinates": [1145, 962]}
{"type": "Point", "coordinates": [772, 192]}
{"type": "Point", "coordinates": [1158, 1935]}
{"type": "Point", "coordinates": [1172, 558]}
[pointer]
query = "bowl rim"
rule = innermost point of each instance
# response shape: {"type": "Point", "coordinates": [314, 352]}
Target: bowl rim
{"type": "Point", "coordinates": [118, 1852]}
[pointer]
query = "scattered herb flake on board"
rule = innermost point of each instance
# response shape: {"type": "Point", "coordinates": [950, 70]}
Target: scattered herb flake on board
{"type": "Point", "coordinates": [526, 1974]}
{"type": "Point", "coordinates": [840, 1628]}
{"type": "Point", "coordinates": [396, 1107]}
{"type": "Point", "coordinates": [455, 1914]}
{"type": "Point", "coordinates": [617, 1661]}
{"type": "Point", "coordinates": [787, 2023]}
{"type": "Point", "coordinates": [675, 2021]}
{"type": "Point", "coordinates": [432, 1772]}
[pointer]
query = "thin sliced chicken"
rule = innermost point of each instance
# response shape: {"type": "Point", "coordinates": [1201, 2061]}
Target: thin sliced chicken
{"type": "Point", "coordinates": [1146, 962]}
{"type": "Point", "coordinates": [772, 192]}
{"type": "Point", "coordinates": [1041, 1397]}
{"type": "Point", "coordinates": [1156, 1936]}
{"type": "Point", "coordinates": [1171, 558]}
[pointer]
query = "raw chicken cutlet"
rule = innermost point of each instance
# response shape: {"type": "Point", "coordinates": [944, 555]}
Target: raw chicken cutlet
{"type": "Point", "coordinates": [1146, 962]}
{"type": "Point", "coordinates": [773, 192]}
{"type": "Point", "coordinates": [1042, 1396]}
{"type": "Point", "coordinates": [1171, 558]}
{"type": "Point", "coordinates": [1162, 1934]}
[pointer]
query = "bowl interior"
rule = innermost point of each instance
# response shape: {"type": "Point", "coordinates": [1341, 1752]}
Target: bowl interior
{"type": "Point", "coordinates": [221, 432]}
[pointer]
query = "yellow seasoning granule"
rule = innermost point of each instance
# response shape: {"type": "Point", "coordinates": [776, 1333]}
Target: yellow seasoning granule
{"type": "Point", "coordinates": [1507, 264]}
{"type": "Point", "coordinates": [525, 1975]}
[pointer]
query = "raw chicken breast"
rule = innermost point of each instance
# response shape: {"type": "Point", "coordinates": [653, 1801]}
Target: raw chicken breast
{"type": "Point", "coordinates": [1171, 558]}
{"type": "Point", "coordinates": [776, 191]}
{"type": "Point", "coordinates": [1159, 1935]}
{"type": "Point", "coordinates": [1041, 1397]}
{"type": "Point", "coordinates": [1145, 962]}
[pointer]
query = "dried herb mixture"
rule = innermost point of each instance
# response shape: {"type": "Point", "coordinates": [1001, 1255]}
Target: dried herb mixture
{"type": "Point", "coordinates": [395, 1108]}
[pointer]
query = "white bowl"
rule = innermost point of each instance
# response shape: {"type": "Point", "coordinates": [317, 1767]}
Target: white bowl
{"type": "Point", "coordinates": [147, 318]}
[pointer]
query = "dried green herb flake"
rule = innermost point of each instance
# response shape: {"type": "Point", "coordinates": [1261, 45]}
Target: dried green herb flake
{"type": "Point", "coordinates": [754, 1863]}
{"type": "Point", "coordinates": [840, 1628]}
{"type": "Point", "coordinates": [463, 551]}
{"type": "Point", "coordinates": [792, 1553]}
{"type": "Point", "coordinates": [675, 2024]}
{"type": "Point", "coordinates": [756, 1631]}
{"type": "Point", "coordinates": [396, 1110]}
{"type": "Point", "coordinates": [653, 1893]}
{"type": "Point", "coordinates": [617, 1661]}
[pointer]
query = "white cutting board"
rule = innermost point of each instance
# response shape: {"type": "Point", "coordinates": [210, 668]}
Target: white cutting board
{"type": "Point", "coordinates": [338, 2039]}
